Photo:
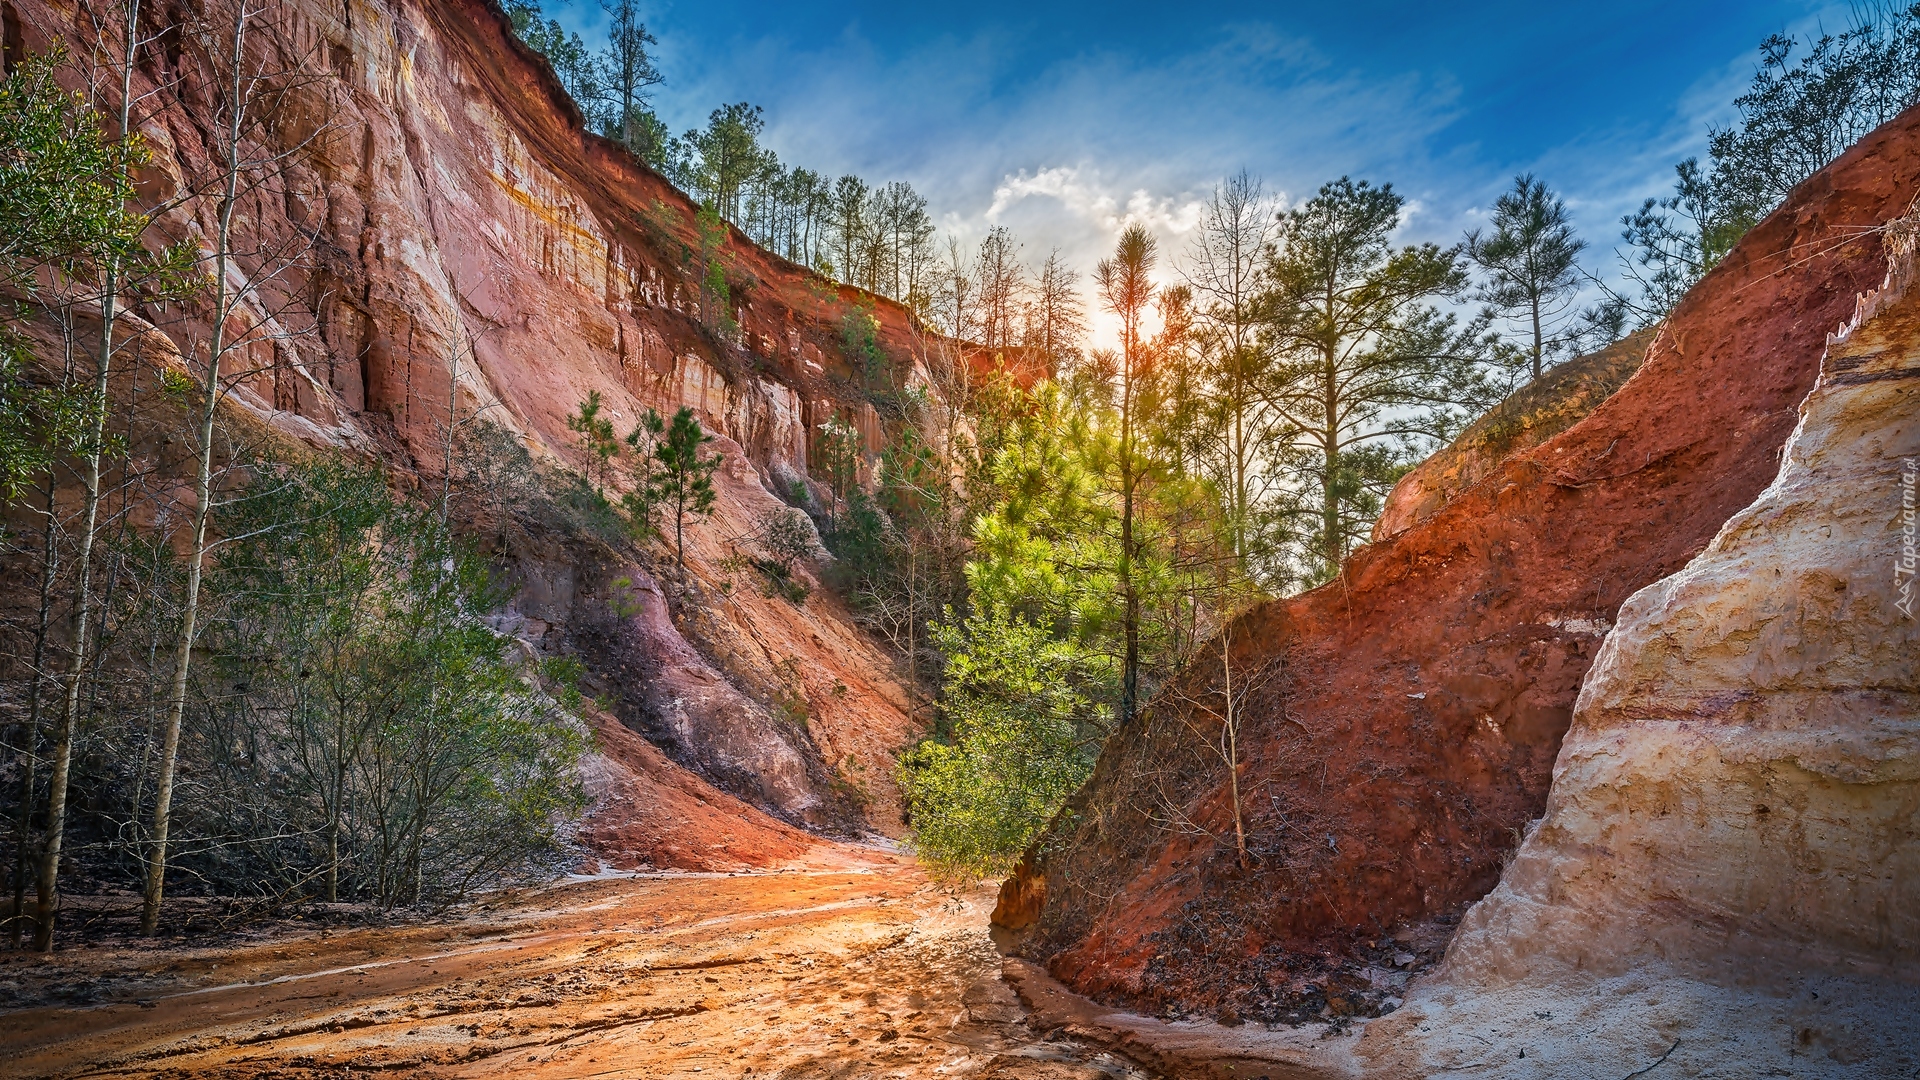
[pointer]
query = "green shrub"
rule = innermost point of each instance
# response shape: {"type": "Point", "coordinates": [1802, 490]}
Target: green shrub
{"type": "Point", "coordinates": [1020, 743]}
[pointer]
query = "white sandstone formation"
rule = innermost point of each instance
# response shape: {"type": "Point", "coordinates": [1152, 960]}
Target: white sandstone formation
{"type": "Point", "coordinates": [1726, 881]}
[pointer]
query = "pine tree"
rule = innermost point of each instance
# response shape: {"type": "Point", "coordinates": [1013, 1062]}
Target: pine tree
{"type": "Point", "coordinates": [1364, 370]}
{"type": "Point", "coordinates": [1531, 261]}
{"type": "Point", "coordinates": [722, 159]}
{"type": "Point", "coordinates": [684, 481]}
{"type": "Point", "coordinates": [847, 214]}
{"type": "Point", "coordinates": [598, 447]}
{"type": "Point", "coordinates": [565, 52]}
{"type": "Point", "coordinates": [1126, 289]}
{"type": "Point", "coordinates": [839, 459]}
{"type": "Point", "coordinates": [715, 297]}
{"type": "Point", "coordinates": [643, 444]}
{"type": "Point", "coordinates": [626, 71]}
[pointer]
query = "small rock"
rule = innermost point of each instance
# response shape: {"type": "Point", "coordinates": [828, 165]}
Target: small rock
{"type": "Point", "coordinates": [1402, 959]}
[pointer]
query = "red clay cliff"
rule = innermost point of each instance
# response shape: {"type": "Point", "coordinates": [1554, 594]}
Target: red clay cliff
{"type": "Point", "coordinates": [1399, 725]}
{"type": "Point", "coordinates": [433, 198]}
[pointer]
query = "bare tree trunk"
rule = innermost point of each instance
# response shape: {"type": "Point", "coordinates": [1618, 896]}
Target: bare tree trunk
{"type": "Point", "coordinates": [46, 886]}
{"type": "Point", "coordinates": [30, 748]}
{"type": "Point", "coordinates": [1232, 726]}
{"type": "Point", "coordinates": [46, 890]}
{"type": "Point", "coordinates": [1335, 543]}
{"type": "Point", "coordinates": [203, 492]}
{"type": "Point", "coordinates": [679, 525]}
{"type": "Point", "coordinates": [1241, 511]}
{"type": "Point", "coordinates": [333, 805]}
{"type": "Point", "coordinates": [346, 747]}
{"type": "Point", "coordinates": [913, 624]}
{"type": "Point", "coordinates": [1536, 337]}
{"type": "Point", "coordinates": [1130, 670]}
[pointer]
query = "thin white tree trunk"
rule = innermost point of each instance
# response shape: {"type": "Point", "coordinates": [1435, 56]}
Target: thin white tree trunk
{"type": "Point", "coordinates": [46, 885]}
{"type": "Point", "coordinates": [203, 492]}
{"type": "Point", "coordinates": [30, 748]}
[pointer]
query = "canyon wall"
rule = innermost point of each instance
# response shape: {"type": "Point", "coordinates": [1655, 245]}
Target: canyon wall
{"type": "Point", "coordinates": [429, 233]}
{"type": "Point", "coordinates": [1399, 726]}
{"type": "Point", "coordinates": [1728, 869]}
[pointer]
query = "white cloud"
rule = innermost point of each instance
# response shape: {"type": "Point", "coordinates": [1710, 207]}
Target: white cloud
{"type": "Point", "coordinates": [1081, 212]}
{"type": "Point", "coordinates": [1068, 155]}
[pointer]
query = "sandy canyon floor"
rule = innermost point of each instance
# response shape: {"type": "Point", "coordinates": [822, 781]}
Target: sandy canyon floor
{"type": "Point", "coordinates": [858, 971]}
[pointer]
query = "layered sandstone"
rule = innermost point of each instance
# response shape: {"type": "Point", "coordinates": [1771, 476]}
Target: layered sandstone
{"type": "Point", "coordinates": [1399, 725]}
{"type": "Point", "coordinates": [434, 228]}
{"type": "Point", "coordinates": [1729, 863]}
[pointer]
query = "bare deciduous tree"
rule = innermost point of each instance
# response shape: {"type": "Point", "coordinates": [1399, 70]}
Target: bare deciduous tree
{"type": "Point", "coordinates": [1225, 268]}
{"type": "Point", "coordinates": [1000, 283]}
{"type": "Point", "coordinates": [1055, 323]}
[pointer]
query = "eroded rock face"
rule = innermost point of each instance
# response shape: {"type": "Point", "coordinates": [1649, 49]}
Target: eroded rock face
{"type": "Point", "coordinates": [440, 230]}
{"type": "Point", "coordinates": [707, 719]}
{"type": "Point", "coordinates": [1733, 835]}
{"type": "Point", "coordinates": [650, 812]}
{"type": "Point", "coordinates": [1400, 724]}
{"type": "Point", "coordinates": [787, 704]}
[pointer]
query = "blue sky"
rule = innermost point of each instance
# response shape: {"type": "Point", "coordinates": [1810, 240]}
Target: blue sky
{"type": "Point", "coordinates": [1064, 121]}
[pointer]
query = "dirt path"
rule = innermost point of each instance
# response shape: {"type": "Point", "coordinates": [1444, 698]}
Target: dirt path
{"type": "Point", "coordinates": [861, 973]}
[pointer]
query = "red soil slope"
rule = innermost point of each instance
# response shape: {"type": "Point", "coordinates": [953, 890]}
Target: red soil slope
{"type": "Point", "coordinates": [437, 198]}
{"type": "Point", "coordinates": [1401, 723]}
{"type": "Point", "coordinates": [1549, 405]}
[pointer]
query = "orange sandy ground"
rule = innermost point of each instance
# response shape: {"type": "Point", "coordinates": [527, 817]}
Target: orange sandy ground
{"type": "Point", "coordinates": [862, 971]}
